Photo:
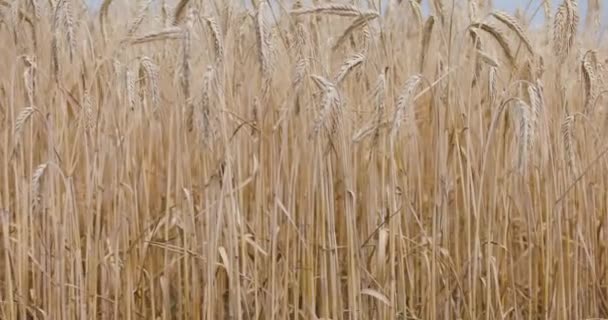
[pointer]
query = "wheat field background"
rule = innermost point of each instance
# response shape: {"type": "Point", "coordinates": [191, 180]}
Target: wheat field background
{"type": "Point", "coordinates": [302, 160]}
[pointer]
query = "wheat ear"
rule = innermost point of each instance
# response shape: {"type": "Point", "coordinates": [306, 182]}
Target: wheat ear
{"type": "Point", "coordinates": [356, 24]}
{"type": "Point", "coordinates": [426, 39]}
{"type": "Point", "coordinates": [567, 136]}
{"type": "Point", "coordinates": [512, 23]}
{"type": "Point", "coordinates": [330, 8]}
{"type": "Point", "coordinates": [36, 183]}
{"type": "Point", "coordinates": [180, 11]}
{"type": "Point", "coordinates": [403, 110]}
{"type": "Point", "coordinates": [169, 33]}
{"type": "Point", "coordinates": [351, 63]}
{"type": "Point", "coordinates": [590, 79]}
{"type": "Point", "coordinates": [218, 43]}
{"type": "Point", "coordinates": [499, 37]}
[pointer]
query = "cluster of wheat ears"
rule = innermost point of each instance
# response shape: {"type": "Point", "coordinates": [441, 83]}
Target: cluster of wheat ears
{"type": "Point", "coordinates": [302, 160]}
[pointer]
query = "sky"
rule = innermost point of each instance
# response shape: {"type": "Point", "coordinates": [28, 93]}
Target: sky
{"type": "Point", "coordinates": [506, 5]}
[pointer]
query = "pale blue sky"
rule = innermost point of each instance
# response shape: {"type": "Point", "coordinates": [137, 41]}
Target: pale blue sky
{"type": "Point", "coordinates": [506, 5]}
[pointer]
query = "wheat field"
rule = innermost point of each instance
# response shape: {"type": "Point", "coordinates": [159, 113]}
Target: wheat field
{"type": "Point", "coordinates": [205, 159]}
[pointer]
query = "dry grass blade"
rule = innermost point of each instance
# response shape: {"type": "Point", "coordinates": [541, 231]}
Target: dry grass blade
{"type": "Point", "coordinates": [512, 23]}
